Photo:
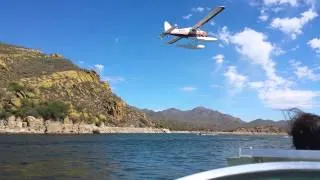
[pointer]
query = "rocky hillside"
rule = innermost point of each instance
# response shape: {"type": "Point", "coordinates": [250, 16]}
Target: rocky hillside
{"type": "Point", "coordinates": [260, 129]}
{"type": "Point", "coordinates": [199, 118]}
{"type": "Point", "coordinates": [36, 84]}
{"type": "Point", "coordinates": [283, 125]}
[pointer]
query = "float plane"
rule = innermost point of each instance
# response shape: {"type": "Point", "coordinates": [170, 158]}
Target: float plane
{"type": "Point", "coordinates": [193, 33]}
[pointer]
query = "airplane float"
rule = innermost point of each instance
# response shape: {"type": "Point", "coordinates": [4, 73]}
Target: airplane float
{"type": "Point", "coordinates": [193, 33]}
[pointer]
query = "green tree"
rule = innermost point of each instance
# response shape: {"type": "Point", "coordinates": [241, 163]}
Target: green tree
{"type": "Point", "coordinates": [53, 110]}
{"type": "Point", "coordinates": [15, 87]}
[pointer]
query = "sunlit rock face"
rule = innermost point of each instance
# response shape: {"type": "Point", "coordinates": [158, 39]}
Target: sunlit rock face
{"type": "Point", "coordinates": [29, 77]}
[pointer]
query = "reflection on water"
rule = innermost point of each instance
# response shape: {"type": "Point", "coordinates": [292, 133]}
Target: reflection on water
{"type": "Point", "coordinates": [50, 168]}
{"type": "Point", "coordinates": [127, 156]}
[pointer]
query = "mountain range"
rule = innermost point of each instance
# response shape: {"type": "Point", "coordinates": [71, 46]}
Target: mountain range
{"type": "Point", "coordinates": [201, 118]}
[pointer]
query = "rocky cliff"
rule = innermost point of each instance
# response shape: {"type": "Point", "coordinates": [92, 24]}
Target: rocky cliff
{"type": "Point", "coordinates": [36, 84]}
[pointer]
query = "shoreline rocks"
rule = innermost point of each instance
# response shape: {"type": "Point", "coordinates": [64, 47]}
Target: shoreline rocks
{"type": "Point", "coordinates": [231, 133]}
{"type": "Point", "coordinates": [32, 125]}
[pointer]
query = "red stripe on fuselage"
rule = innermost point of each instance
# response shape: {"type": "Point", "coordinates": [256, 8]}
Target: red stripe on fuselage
{"type": "Point", "coordinates": [191, 34]}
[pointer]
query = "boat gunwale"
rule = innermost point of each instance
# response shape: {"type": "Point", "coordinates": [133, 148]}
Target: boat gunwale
{"type": "Point", "coordinates": [301, 166]}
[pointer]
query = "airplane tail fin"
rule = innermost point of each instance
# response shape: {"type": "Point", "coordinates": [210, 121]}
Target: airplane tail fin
{"type": "Point", "coordinates": [167, 29]}
{"type": "Point", "coordinates": [167, 26]}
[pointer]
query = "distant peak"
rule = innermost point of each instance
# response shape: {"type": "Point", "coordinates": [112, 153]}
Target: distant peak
{"type": "Point", "coordinates": [201, 108]}
{"type": "Point", "coordinates": [173, 109]}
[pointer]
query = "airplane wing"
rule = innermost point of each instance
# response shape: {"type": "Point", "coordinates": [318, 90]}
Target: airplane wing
{"type": "Point", "coordinates": [174, 40]}
{"type": "Point", "coordinates": [211, 15]}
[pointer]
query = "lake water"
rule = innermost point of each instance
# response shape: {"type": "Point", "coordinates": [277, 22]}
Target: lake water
{"type": "Point", "coordinates": [121, 156]}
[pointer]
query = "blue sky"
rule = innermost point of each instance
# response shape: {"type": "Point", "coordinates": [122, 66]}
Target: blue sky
{"type": "Point", "coordinates": [267, 57]}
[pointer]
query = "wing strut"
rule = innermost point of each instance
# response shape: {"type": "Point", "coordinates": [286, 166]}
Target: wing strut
{"type": "Point", "coordinates": [174, 40]}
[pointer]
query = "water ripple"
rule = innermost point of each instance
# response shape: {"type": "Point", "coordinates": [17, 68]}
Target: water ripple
{"type": "Point", "coordinates": [126, 156]}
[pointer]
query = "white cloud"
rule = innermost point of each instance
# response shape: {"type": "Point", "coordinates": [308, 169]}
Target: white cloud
{"type": "Point", "coordinates": [278, 51]}
{"type": "Point", "coordinates": [315, 44]}
{"type": "Point", "coordinates": [188, 89]}
{"type": "Point", "coordinates": [198, 9]}
{"type": "Point", "coordinates": [256, 85]}
{"type": "Point", "coordinates": [281, 97]}
{"type": "Point", "coordinates": [280, 2]}
{"type": "Point", "coordinates": [277, 9]}
{"type": "Point", "coordinates": [289, 98]}
{"type": "Point", "coordinates": [293, 26]}
{"type": "Point", "coordinates": [236, 80]}
{"type": "Point", "coordinates": [254, 46]}
{"type": "Point", "coordinates": [81, 62]}
{"type": "Point", "coordinates": [99, 68]}
{"type": "Point", "coordinates": [275, 91]}
{"type": "Point", "coordinates": [303, 71]}
{"type": "Point", "coordinates": [187, 17]}
{"type": "Point", "coordinates": [311, 3]}
{"type": "Point", "coordinates": [253, 3]}
{"type": "Point", "coordinates": [278, 5]}
{"type": "Point", "coordinates": [212, 23]}
{"type": "Point", "coordinates": [295, 48]}
{"type": "Point", "coordinates": [284, 97]}
{"type": "Point", "coordinates": [113, 79]}
{"type": "Point", "coordinates": [224, 35]}
{"type": "Point", "coordinates": [218, 58]}
{"type": "Point", "coordinates": [264, 17]}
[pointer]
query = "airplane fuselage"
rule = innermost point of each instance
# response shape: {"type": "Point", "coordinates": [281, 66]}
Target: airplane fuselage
{"type": "Point", "coordinates": [189, 33]}
{"type": "Point", "coordinates": [193, 32]}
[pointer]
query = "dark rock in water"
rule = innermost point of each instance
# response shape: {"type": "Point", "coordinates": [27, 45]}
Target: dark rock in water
{"type": "Point", "coordinates": [96, 131]}
{"type": "Point", "coordinates": [24, 163]}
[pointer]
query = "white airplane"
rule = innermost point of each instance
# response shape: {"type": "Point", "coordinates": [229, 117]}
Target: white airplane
{"type": "Point", "coordinates": [193, 33]}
